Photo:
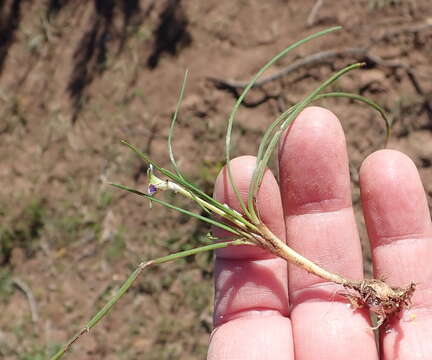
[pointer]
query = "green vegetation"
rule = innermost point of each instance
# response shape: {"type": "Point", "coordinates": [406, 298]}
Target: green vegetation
{"type": "Point", "coordinates": [247, 228]}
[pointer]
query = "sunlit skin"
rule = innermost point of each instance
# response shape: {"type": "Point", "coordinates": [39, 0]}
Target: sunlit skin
{"type": "Point", "coordinates": [265, 309]}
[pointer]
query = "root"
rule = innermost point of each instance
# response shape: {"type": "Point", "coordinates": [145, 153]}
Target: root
{"type": "Point", "coordinates": [383, 300]}
{"type": "Point", "coordinates": [380, 298]}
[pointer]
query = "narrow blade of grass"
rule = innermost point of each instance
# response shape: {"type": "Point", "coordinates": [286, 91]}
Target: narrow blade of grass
{"type": "Point", "coordinates": [171, 133]}
{"type": "Point", "coordinates": [243, 95]}
{"type": "Point", "coordinates": [262, 164]}
{"type": "Point", "coordinates": [173, 121]}
{"type": "Point", "coordinates": [365, 100]}
{"type": "Point", "coordinates": [186, 184]}
{"type": "Point", "coordinates": [186, 212]}
{"type": "Point", "coordinates": [264, 142]}
{"type": "Point", "coordinates": [131, 279]}
{"type": "Point", "coordinates": [272, 128]}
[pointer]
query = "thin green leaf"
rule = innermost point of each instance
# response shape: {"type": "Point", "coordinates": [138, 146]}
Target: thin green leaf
{"type": "Point", "coordinates": [243, 95]}
{"type": "Point", "coordinates": [183, 211]}
{"type": "Point", "coordinates": [131, 279]}
{"type": "Point", "coordinates": [188, 185]}
{"type": "Point", "coordinates": [271, 129]}
{"type": "Point", "coordinates": [283, 116]}
{"type": "Point", "coordinates": [365, 100]}
{"type": "Point", "coordinates": [265, 139]}
{"type": "Point", "coordinates": [261, 166]}
{"type": "Point", "coordinates": [143, 156]}
{"type": "Point", "coordinates": [173, 121]}
{"type": "Point", "coordinates": [218, 245]}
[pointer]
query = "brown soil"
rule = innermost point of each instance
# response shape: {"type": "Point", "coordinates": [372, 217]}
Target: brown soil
{"type": "Point", "coordinates": [78, 76]}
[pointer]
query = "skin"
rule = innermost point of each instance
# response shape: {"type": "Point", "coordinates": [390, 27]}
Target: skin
{"type": "Point", "coordinates": [265, 309]}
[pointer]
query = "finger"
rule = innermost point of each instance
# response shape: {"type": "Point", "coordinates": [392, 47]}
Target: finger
{"type": "Point", "coordinates": [251, 296]}
{"type": "Point", "coordinates": [400, 231]}
{"type": "Point", "coordinates": [320, 225]}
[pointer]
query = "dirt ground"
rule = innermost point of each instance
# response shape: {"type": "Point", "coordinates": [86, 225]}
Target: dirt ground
{"type": "Point", "coordinates": [79, 76]}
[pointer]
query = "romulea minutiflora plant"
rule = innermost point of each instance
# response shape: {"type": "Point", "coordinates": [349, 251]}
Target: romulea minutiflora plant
{"type": "Point", "coordinates": [246, 226]}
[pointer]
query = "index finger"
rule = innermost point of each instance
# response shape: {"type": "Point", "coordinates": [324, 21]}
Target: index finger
{"type": "Point", "coordinates": [251, 297]}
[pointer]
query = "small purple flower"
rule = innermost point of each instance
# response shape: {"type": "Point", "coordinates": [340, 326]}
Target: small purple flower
{"type": "Point", "coordinates": [152, 189]}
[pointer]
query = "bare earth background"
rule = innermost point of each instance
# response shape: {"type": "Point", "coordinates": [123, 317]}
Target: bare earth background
{"type": "Point", "coordinates": [78, 76]}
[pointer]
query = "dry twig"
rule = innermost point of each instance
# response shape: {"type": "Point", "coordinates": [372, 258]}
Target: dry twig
{"type": "Point", "coordinates": [21, 285]}
{"type": "Point", "coordinates": [412, 29]}
{"type": "Point", "coordinates": [361, 54]}
{"type": "Point", "coordinates": [314, 59]}
{"type": "Point", "coordinates": [314, 12]}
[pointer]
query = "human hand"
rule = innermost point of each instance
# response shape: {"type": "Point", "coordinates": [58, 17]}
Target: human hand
{"type": "Point", "coordinates": [265, 309]}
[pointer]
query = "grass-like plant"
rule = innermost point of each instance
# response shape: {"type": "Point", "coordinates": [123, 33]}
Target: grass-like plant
{"type": "Point", "coordinates": [247, 227]}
